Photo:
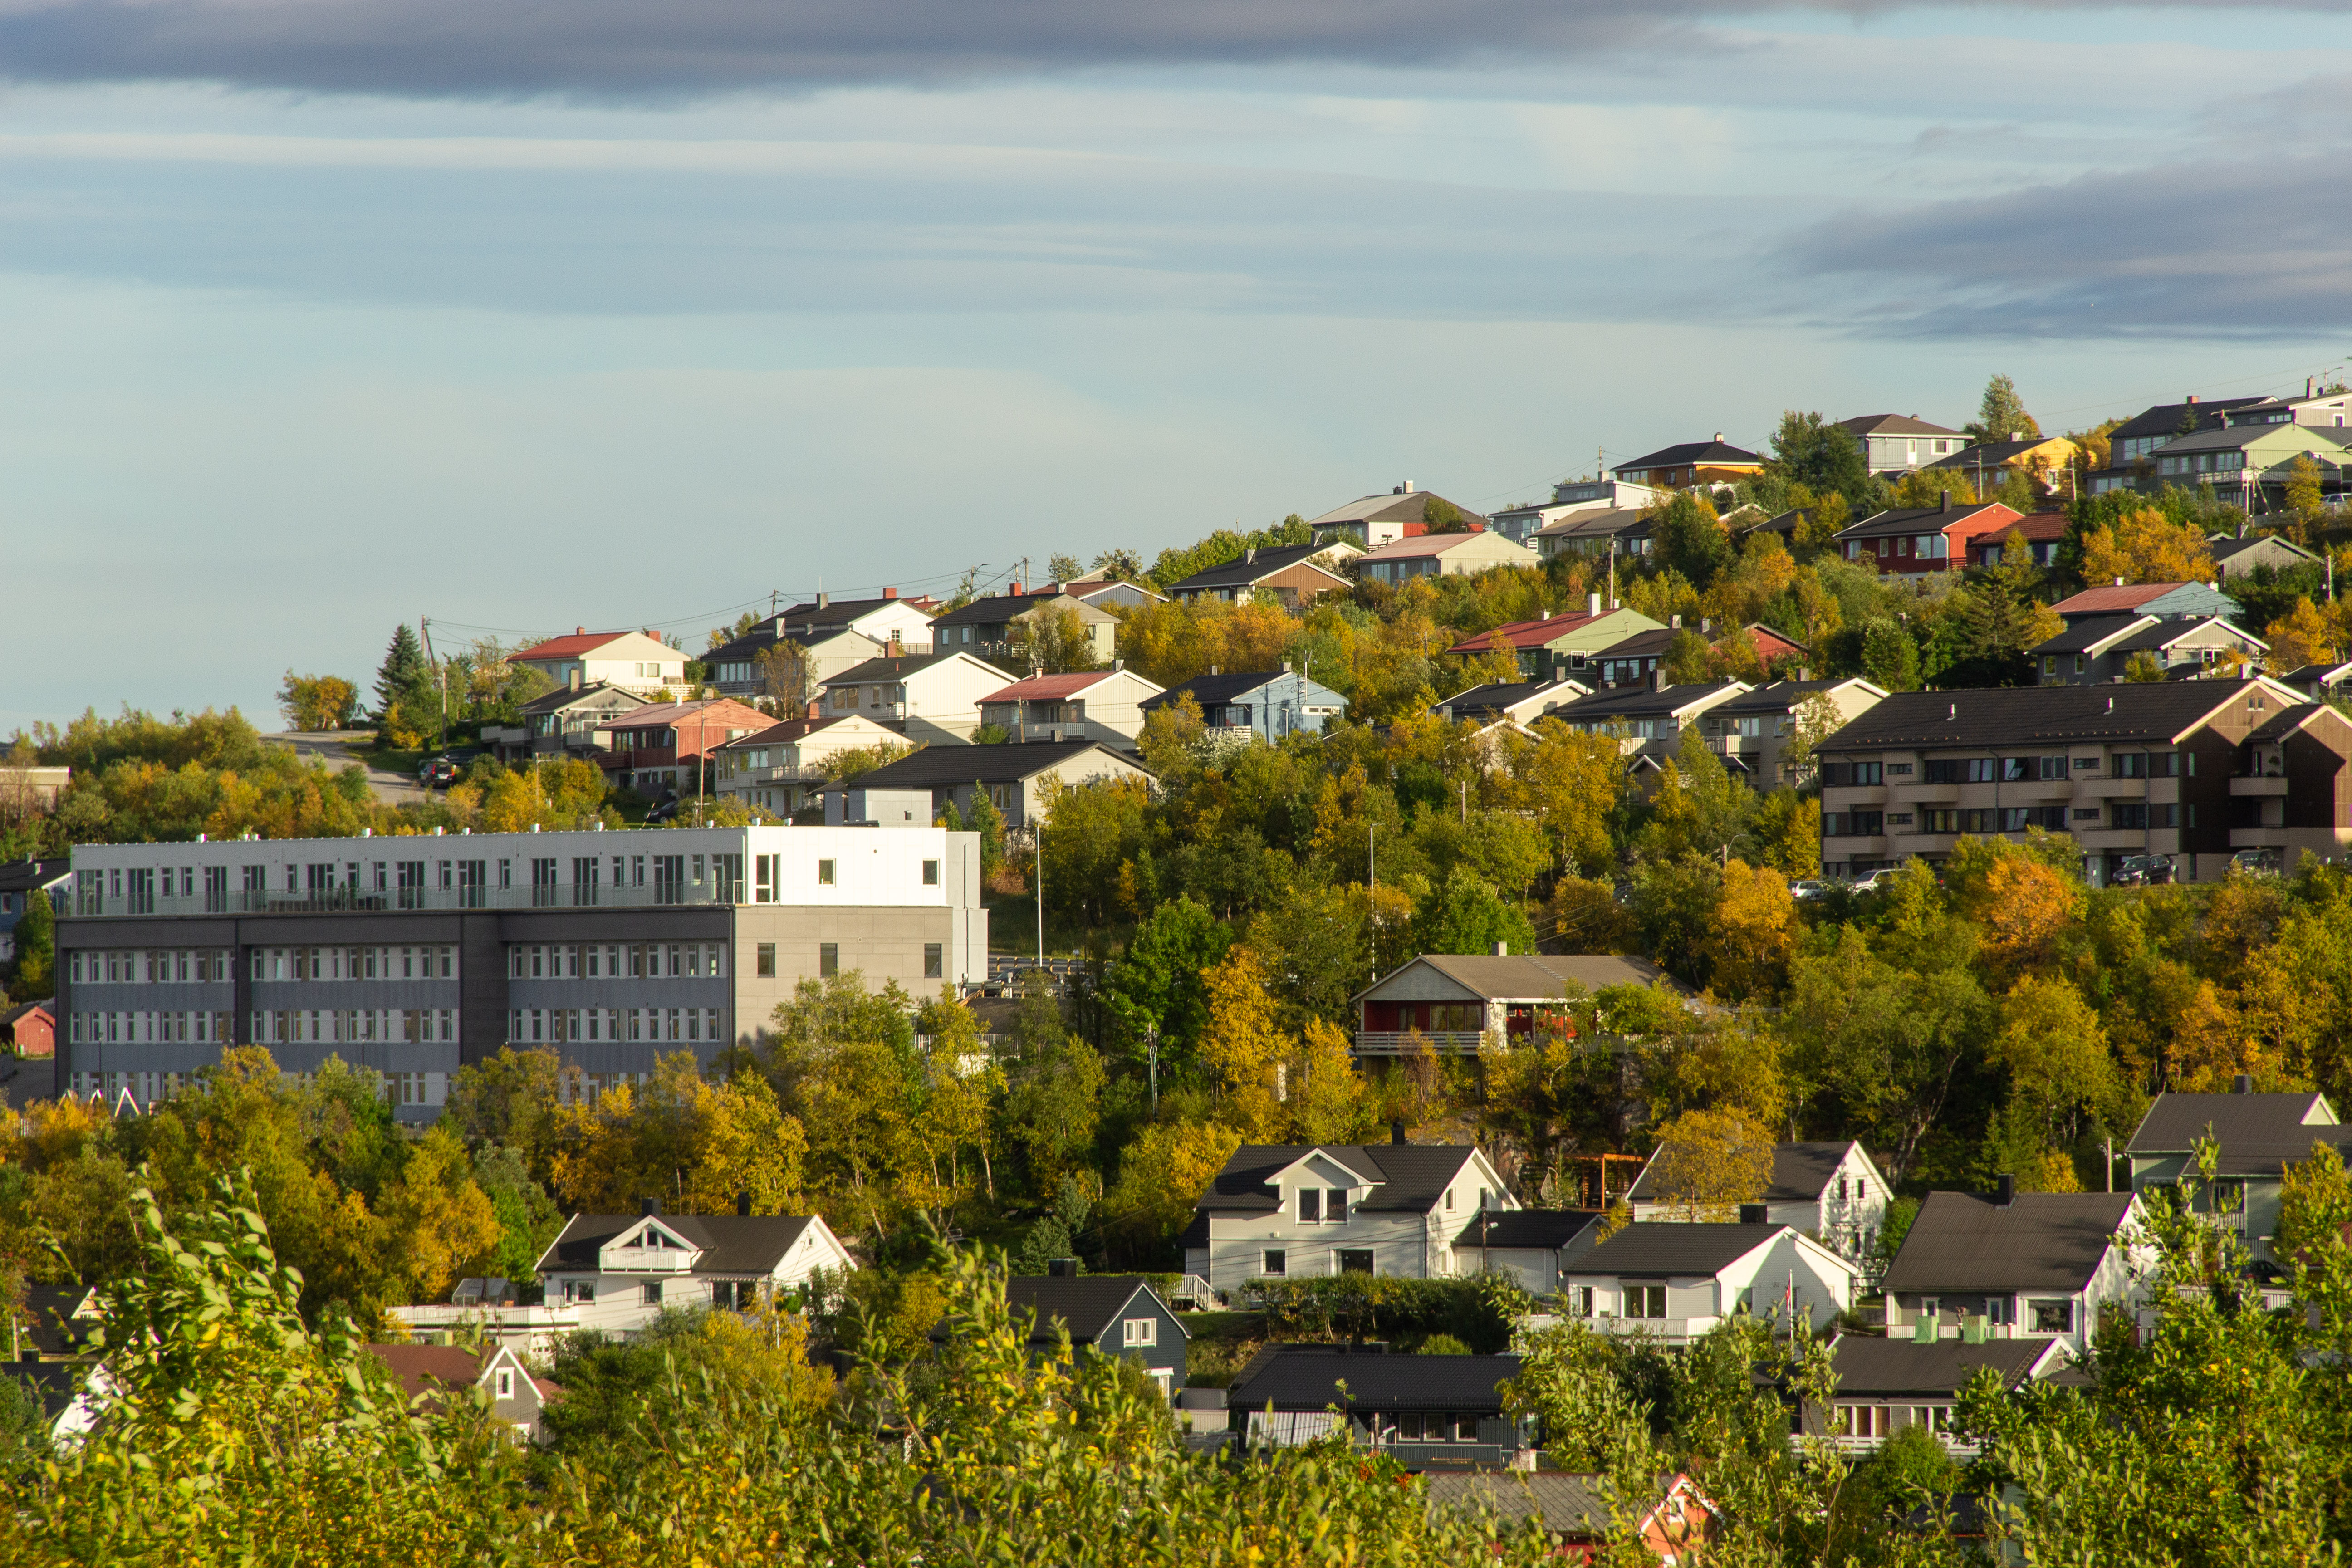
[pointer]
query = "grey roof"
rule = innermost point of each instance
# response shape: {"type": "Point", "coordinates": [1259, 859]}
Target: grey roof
{"type": "Point", "coordinates": [2301, 675]}
{"type": "Point", "coordinates": [1660, 1249]}
{"type": "Point", "coordinates": [1216, 690]}
{"type": "Point", "coordinates": [1598, 523]}
{"type": "Point", "coordinates": [1639, 701]}
{"type": "Point", "coordinates": [1779, 696]}
{"type": "Point", "coordinates": [1912, 520]}
{"type": "Point", "coordinates": [1495, 696]}
{"type": "Point", "coordinates": [2257, 1132]}
{"type": "Point", "coordinates": [732, 1244]}
{"type": "Point", "coordinates": [1716, 451]}
{"type": "Point", "coordinates": [564, 696]}
{"type": "Point", "coordinates": [2165, 633]}
{"type": "Point", "coordinates": [2286, 721]}
{"type": "Point", "coordinates": [1565, 1502]}
{"type": "Point", "coordinates": [1652, 644]}
{"type": "Point", "coordinates": [2035, 715]}
{"type": "Point", "coordinates": [2041, 1241]}
{"type": "Point", "coordinates": [935, 767]}
{"type": "Point", "coordinates": [1867, 1364]}
{"type": "Point", "coordinates": [997, 608]}
{"type": "Point", "coordinates": [1243, 570]}
{"type": "Point", "coordinates": [897, 666]}
{"type": "Point", "coordinates": [17, 875]}
{"type": "Point", "coordinates": [1800, 1173]}
{"type": "Point", "coordinates": [2091, 631]}
{"type": "Point", "coordinates": [1892, 425]}
{"type": "Point", "coordinates": [1413, 1177]}
{"type": "Point", "coordinates": [1090, 1305]}
{"type": "Point", "coordinates": [2224, 549]}
{"type": "Point", "coordinates": [1396, 506]}
{"type": "Point", "coordinates": [2235, 437]}
{"type": "Point", "coordinates": [1521, 976]}
{"type": "Point", "coordinates": [2164, 419]}
{"type": "Point", "coordinates": [1549, 1229]}
{"type": "Point", "coordinates": [1308, 1377]}
{"type": "Point", "coordinates": [804, 619]}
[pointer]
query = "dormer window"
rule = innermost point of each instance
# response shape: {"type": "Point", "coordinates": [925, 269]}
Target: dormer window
{"type": "Point", "coordinates": [1310, 1205]}
{"type": "Point", "coordinates": [1338, 1204]}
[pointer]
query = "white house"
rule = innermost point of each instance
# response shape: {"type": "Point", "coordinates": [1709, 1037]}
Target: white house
{"type": "Point", "coordinates": [931, 697]}
{"type": "Point", "coordinates": [2019, 1264]}
{"type": "Point", "coordinates": [1534, 1246]}
{"type": "Point", "coordinates": [1104, 705]}
{"type": "Point", "coordinates": [617, 1272]}
{"type": "Point", "coordinates": [1678, 1281]}
{"type": "Point", "coordinates": [779, 768]}
{"type": "Point", "coordinates": [1832, 1192]}
{"type": "Point", "coordinates": [633, 661]}
{"type": "Point", "coordinates": [1288, 1211]}
{"type": "Point", "coordinates": [1887, 1384]}
{"type": "Point", "coordinates": [1443, 554]}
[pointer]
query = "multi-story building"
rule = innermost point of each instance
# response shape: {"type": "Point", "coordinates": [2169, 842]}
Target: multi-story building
{"type": "Point", "coordinates": [2165, 601]}
{"type": "Point", "coordinates": [634, 661]}
{"type": "Point", "coordinates": [782, 768]}
{"type": "Point", "coordinates": [1913, 540]}
{"type": "Point", "coordinates": [997, 627]}
{"type": "Point", "coordinates": [2141, 768]}
{"type": "Point", "coordinates": [414, 955]}
{"type": "Point", "coordinates": [931, 697]}
{"type": "Point", "coordinates": [1442, 556]}
{"type": "Point", "coordinates": [1691, 464]}
{"type": "Point", "coordinates": [1898, 443]}
{"type": "Point", "coordinates": [1294, 574]}
{"type": "Point", "coordinates": [2097, 650]}
{"type": "Point", "coordinates": [666, 747]}
{"type": "Point", "coordinates": [1754, 731]}
{"type": "Point", "coordinates": [2258, 1137]}
{"type": "Point", "coordinates": [1104, 705]}
{"type": "Point", "coordinates": [1369, 521]}
{"type": "Point", "coordinates": [1269, 702]}
{"type": "Point", "coordinates": [1558, 645]}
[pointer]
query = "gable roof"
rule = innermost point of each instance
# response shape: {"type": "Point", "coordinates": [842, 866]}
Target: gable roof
{"type": "Point", "coordinates": [1800, 1172]}
{"type": "Point", "coordinates": [429, 1369]}
{"type": "Point", "coordinates": [1545, 1229]}
{"type": "Point", "coordinates": [2164, 418]}
{"type": "Point", "coordinates": [576, 646]}
{"type": "Point", "coordinates": [2166, 633]}
{"type": "Point", "coordinates": [1000, 607]}
{"type": "Point", "coordinates": [899, 667]}
{"type": "Point", "coordinates": [2034, 527]}
{"type": "Point", "coordinates": [1644, 701]}
{"type": "Point", "coordinates": [2030, 715]}
{"type": "Point", "coordinates": [1047, 687]}
{"type": "Point", "coordinates": [671, 714]}
{"type": "Point", "coordinates": [2237, 438]}
{"type": "Point", "coordinates": [1216, 690]}
{"type": "Point", "coordinates": [598, 693]}
{"type": "Point", "coordinates": [1661, 1248]}
{"type": "Point", "coordinates": [1497, 696]}
{"type": "Point", "coordinates": [935, 767]}
{"type": "Point", "coordinates": [1414, 1176]}
{"type": "Point", "coordinates": [2228, 548]}
{"type": "Point", "coordinates": [730, 1244]}
{"type": "Point", "coordinates": [1424, 545]}
{"type": "Point", "coordinates": [1089, 1305]}
{"type": "Point", "coordinates": [1865, 1363]}
{"type": "Point", "coordinates": [1396, 506]}
{"type": "Point", "coordinates": [1991, 454]}
{"type": "Point", "coordinates": [790, 731]}
{"type": "Point", "coordinates": [18, 876]}
{"type": "Point", "coordinates": [2257, 1132]}
{"type": "Point", "coordinates": [2093, 632]}
{"type": "Point", "coordinates": [1977, 515]}
{"type": "Point", "coordinates": [2291, 719]}
{"type": "Point", "coordinates": [1892, 425]}
{"type": "Point", "coordinates": [1255, 565]}
{"type": "Point", "coordinates": [1308, 1377]}
{"type": "Point", "coordinates": [2039, 1241]}
{"type": "Point", "coordinates": [2113, 598]}
{"type": "Point", "coordinates": [1532, 634]}
{"type": "Point", "coordinates": [1783, 696]}
{"type": "Point", "coordinates": [834, 613]}
{"type": "Point", "coordinates": [1717, 451]}
{"type": "Point", "coordinates": [1518, 976]}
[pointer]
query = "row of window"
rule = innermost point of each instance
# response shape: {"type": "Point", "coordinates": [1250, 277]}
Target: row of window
{"type": "Point", "coordinates": [160, 966]}
{"type": "Point", "coordinates": [147, 1087]}
{"type": "Point", "coordinates": [1425, 1426]}
{"type": "Point", "coordinates": [412, 962]}
{"type": "Point", "coordinates": [2013, 770]}
{"type": "Point", "coordinates": [1877, 1420]}
{"type": "Point", "coordinates": [616, 961]}
{"type": "Point", "coordinates": [828, 960]}
{"type": "Point", "coordinates": [140, 1028]}
{"type": "Point", "coordinates": [1920, 547]}
{"type": "Point", "coordinates": [1316, 1205]}
{"type": "Point", "coordinates": [2126, 816]}
{"type": "Point", "coordinates": [554, 1026]}
{"type": "Point", "coordinates": [1274, 1262]}
{"type": "Point", "coordinates": [309, 1025]}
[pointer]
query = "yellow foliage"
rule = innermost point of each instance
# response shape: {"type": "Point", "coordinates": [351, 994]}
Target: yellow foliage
{"type": "Point", "coordinates": [2303, 635]}
{"type": "Point", "coordinates": [1163, 1173]}
{"type": "Point", "coordinates": [2025, 905]}
{"type": "Point", "coordinates": [1328, 1101]}
{"type": "Point", "coordinates": [1242, 1045]}
{"type": "Point", "coordinates": [1754, 931]}
{"type": "Point", "coordinates": [692, 1143]}
{"type": "Point", "coordinates": [1710, 1161]}
{"type": "Point", "coordinates": [2146, 546]}
{"type": "Point", "coordinates": [443, 1222]}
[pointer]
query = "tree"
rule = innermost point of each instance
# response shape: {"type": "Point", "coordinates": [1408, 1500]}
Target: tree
{"type": "Point", "coordinates": [2142, 667]}
{"type": "Point", "coordinates": [317, 701]}
{"type": "Point", "coordinates": [403, 673]}
{"type": "Point", "coordinates": [1690, 539]}
{"type": "Point", "coordinates": [2001, 416]}
{"type": "Point", "coordinates": [2144, 545]}
{"type": "Point", "coordinates": [1753, 933]}
{"type": "Point", "coordinates": [1161, 1176]}
{"type": "Point", "coordinates": [1063, 568]}
{"type": "Point", "coordinates": [1889, 655]}
{"type": "Point", "coordinates": [2063, 1079]}
{"type": "Point", "coordinates": [1708, 1163]}
{"type": "Point", "coordinates": [1120, 565]}
{"type": "Point", "coordinates": [441, 1223]}
{"type": "Point", "coordinates": [34, 972]}
{"type": "Point", "coordinates": [1821, 456]}
{"type": "Point", "coordinates": [1157, 983]}
{"type": "Point", "coordinates": [2306, 504]}
{"type": "Point", "coordinates": [2303, 635]}
{"type": "Point", "coordinates": [779, 672]}
{"type": "Point", "coordinates": [1057, 641]}
{"type": "Point", "coordinates": [1242, 1045]}
{"type": "Point", "coordinates": [1442, 516]}
{"type": "Point", "coordinates": [1465, 914]}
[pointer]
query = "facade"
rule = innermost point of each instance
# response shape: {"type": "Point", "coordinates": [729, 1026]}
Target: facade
{"type": "Point", "coordinates": [1442, 554]}
{"type": "Point", "coordinates": [829, 635]}
{"type": "Point", "coordinates": [930, 698]}
{"type": "Point", "coordinates": [2138, 438]}
{"type": "Point", "coordinates": [1917, 540]}
{"type": "Point", "coordinates": [20, 882]}
{"type": "Point", "coordinates": [1887, 1384]}
{"type": "Point", "coordinates": [2037, 457]}
{"type": "Point", "coordinates": [1558, 645]}
{"type": "Point", "coordinates": [565, 722]}
{"type": "Point", "coordinates": [1596, 531]}
{"type": "Point", "coordinates": [436, 1372]}
{"type": "Point", "coordinates": [2165, 601]}
{"type": "Point", "coordinates": [2142, 768]}
{"type": "Point", "coordinates": [1110, 1314]}
{"type": "Point", "coordinates": [2248, 464]}
{"type": "Point", "coordinates": [1832, 1192]}
{"type": "Point", "coordinates": [30, 1028]}
{"type": "Point", "coordinates": [616, 1273]}
{"type": "Point", "coordinates": [1648, 721]}
{"type": "Point", "coordinates": [996, 628]}
{"type": "Point", "coordinates": [1520, 703]}
{"type": "Point", "coordinates": [667, 747]}
{"type": "Point", "coordinates": [2095, 651]}
{"type": "Point", "coordinates": [1294, 1212]}
{"type": "Point", "coordinates": [1014, 775]}
{"type": "Point", "coordinates": [27, 790]}
{"type": "Point", "coordinates": [2033, 537]}
{"type": "Point", "coordinates": [1691, 464]}
{"type": "Point", "coordinates": [1105, 705]}
{"type": "Point", "coordinates": [1754, 731]}
{"type": "Point", "coordinates": [2293, 791]}
{"type": "Point", "coordinates": [1424, 1412]}
{"type": "Point", "coordinates": [1369, 521]}
{"type": "Point", "coordinates": [2238, 556]}
{"type": "Point", "coordinates": [1294, 574]}
{"type": "Point", "coordinates": [780, 768]}
{"type": "Point", "coordinates": [1533, 1246]}
{"type": "Point", "coordinates": [1271, 703]}
{"type": "Point", "coordinates": [1898, 443]}
{"type": "Point", "coordinates": [1452, 1002]}
{"type": "Point", "coordinates": [1574, 501]}
{"type": "Point", "coordinates": [414, 955]}
{"type": "Point", "coordinates": [2260, 1135]}
{"type": "Point", "coordinates": [1677, 1282]}
{"type": "Point", "coordinates": [2020, 1263]}
{"type": "Point", "coordinates": [634, 662]}
{"type": "Point", "coordinates": [1111, 593]}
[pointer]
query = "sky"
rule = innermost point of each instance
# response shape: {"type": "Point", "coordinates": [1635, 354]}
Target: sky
{"type": "Point", "coordinates": [319, 316]}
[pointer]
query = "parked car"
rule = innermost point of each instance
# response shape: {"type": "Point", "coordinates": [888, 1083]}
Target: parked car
{"type": "Point", "coordinates": [1808, 887]}
{"type": "Point", "coordinates": [436, 773]}
{"type": "Point", "coordinates": [664, 811]}
{"type": "Point", "coordinates": [2143, 871]}
{"type": "Point", "coordinates": [1871, 881]}
{"type": "Point", "coordinates": [2257, 862]}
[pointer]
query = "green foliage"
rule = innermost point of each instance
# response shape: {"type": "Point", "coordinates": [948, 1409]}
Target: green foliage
{"type": "Point", "coordinates": [1476, 1310]}
{"type": "Point", "coordinates": [1822, 457]}
{"type": "Point", "coordinates": [403, 674]}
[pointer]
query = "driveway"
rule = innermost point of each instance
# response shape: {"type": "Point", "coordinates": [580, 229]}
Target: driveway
{"type": "Point", "coordinates": [338, 748]}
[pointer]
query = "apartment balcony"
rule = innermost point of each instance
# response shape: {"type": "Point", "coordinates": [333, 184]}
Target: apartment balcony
{"type": "Point", "coordinates": [2111, 789]}
{"type": "Point", "coordinates": [1398, 1041]}
{"type": "Point", "coordinates": [660, 893]}
{"type": "Point", "coordinates": [2267, 784]}
{"type": "Point", "coordinates": [1848, 849]}
{"type": "Point", "coordinates": [2261, 837]}
{"type": "Point", "coordinates": [1673, 1331]}
{"type": "Point", "coordinates": [2042, 789]}
{"type": "Point", "coordinates": [1845, 797]}
{"type": "Point", "coordinates": [1924, 794]}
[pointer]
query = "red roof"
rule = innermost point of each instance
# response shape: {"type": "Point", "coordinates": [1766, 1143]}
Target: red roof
{"type": "Point", "coordinates": [1524, 634]}
{"type": "Point", "coordinates": [1046, 688]}
{"type": "Point", "coordinates": [573, 646]}
{"type": "Point", "coordinates": [1769, 644]}
{"type": "Point", "coordinates": [2035, 528]}
{"type": "Point", "coordinates": [425, 1369]}
{"type": "Point", "coordinates": [2114, 599]}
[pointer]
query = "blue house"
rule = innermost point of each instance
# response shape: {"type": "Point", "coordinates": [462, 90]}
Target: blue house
{"type": "Point", "coordinates": [1274, 703]}
{"type": "Point", "coordinates": [1112, 1314]}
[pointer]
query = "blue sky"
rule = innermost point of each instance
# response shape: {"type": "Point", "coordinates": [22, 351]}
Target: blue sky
{"type": "Point", "coordinates": [620, 314]}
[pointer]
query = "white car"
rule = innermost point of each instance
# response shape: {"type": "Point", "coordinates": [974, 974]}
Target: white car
{"type": "Point", "coordinates": [1874, 879]}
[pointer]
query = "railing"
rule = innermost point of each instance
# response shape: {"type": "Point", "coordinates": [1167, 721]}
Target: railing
{"type": "Point", "coordinates": [1660, 1328]}
{"type": "Point", "coordinates": [1193, 1290]}
{"type": "Point", "coordinates": [350, 901]}
{"type": "Point", "coordinates": [1397, 1042]}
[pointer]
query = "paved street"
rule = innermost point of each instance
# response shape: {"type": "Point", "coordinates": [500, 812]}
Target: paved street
{"type": "Point", "coordinates": [338, 748]}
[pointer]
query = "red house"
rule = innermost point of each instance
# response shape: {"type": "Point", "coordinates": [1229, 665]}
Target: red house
{"type": "Point", "coordinates": [1922, 539]}
{"type": "Point", "coordinates": [661, 745]}
{"type": "Point", "coordinates": [32, 1028]}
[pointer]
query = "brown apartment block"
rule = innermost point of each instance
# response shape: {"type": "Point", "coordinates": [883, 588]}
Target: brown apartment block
{"type": "Point", "coordinates": [2195, 770]}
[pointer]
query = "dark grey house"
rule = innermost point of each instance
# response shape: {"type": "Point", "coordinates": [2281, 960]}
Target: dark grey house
{"type": "Point", "coordinates": [1426, 1412]}
{"type": "Point", "coordinates": [1269, 702]}
{"type": "Point", "coordinates": [1887, 1384]}
{"type": "Point", "coordinates": [1111, 1314]}
{"type": "Point", "coordinates": [2020, 1263]}
{"type": "Point", "coordinates": [2260, 1135]}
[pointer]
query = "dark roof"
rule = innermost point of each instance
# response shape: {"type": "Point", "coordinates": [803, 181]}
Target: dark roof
{"type": "Point", "coordinates": [2257, 1132]}
{"type": "Point", "coordinates": [1216, 690]}
{"type": "Point", "coordinates": [1867, 1364]}
{"type": "Point", "coordinates": [2039, 1241]}
{"type": "Point", "coordinates": [52, 1384]}
{"type": "Point", "coordinates": [2164, 419]}
{"type": "Point", "coordinates": [2236, 437]}
{"type": "Point", "coordinates": [1776, 696]}
{"type": "Point", "coordinates": [2286, 723]}
{"type": "Point", "coordinates": [1799, 1171]}
{"type": "Point", "coordinates": [2032, 715]}
{"type": "Point", "coordinates": [1308, 1377]}
{"type": "Point", "coordinates": [2089, 632]}
{"type": "Point", "coordinates": [1245, 569]}
{"type": "Point", "coordinates": [564, 696]}
{"type": "Point", "coordinates": [1660, 1247]}
{"type": "Point", "coordinates": [1090, 1305]}
{"type": "Point", "coordinates": [1641, 645]}
{"type": "Point", "coordinates": [1413, 1177]}
{"type": "Point", "coordinates": [1716, 451]}
{"type": "Point", "coordinates": [2308, 674]}
{"type": "Point", "coordinates": [803, 619]}
{"type": "Point", "coordinates": [936, 767]}
{"type": "Point", "coordinates": [1495, 696]}
{"type": "Point", "coordinates": [1892, 425]}
{"type": "Point", "coordinates": [1548, 1228]}
{"type": "Point", "coordinates": [897, 666]}
{"type": "Point", "coordinates": [2165, 633]}
{"type": "Point", "coordinates": [1000, 607]}
{"type": "Point", "coordinates": [2033, 526]}
{"type": "Point", "coordinates": [732, 1244]}
{"type": "Point", "coordinates": [1565, 1502]}
{"type": "Point", "coordinates": [49, 1312]}
{"type": "Point", "coordinates": [1636, 701]}
{"type": "Point", "coordinates": [425, 1369]}
{"type": "Point", "coordinates": [1915, 519]}
{"type": "Point", "coordinates": [786, 732]}
{"type": "Point", "coordinates": [18, 875]}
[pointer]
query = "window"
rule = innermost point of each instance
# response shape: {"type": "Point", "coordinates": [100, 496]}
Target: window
{"type": "Point", "coordinates": [934, 960]}
{"type": "Point", "coordinates": [1863, 1421]}
{"type": "Point", "coordinates": [2131, 764]}
{"type": "Point", "coordinates": [1136, 1331]}
{"type": "Point", "coordinates": [1310, 1205]}
{"type": "Point", "coordinates": [2053, 1317]}
{"type": "Point", "coordinates": [1274, 1263]}
{"type": "Point", "coordinates": [2086, 814]}
{"type": "Point", "coordinates": [1645, 1300]}
{"type": "Point", "coordinates": [506, 1384]}
{"type": "Point", "coordinates": [767, 961]}
{"type": "Point", "coordinates": [2130, 813]}
{"type": "Point", "coordinates": [1580, 1300]}
{"type": "Point", "coordinates": [1944, 821]}
{"type": "Point", "coordinates": [828, 958]}
{"type": "Point", "coordinates": [1356, 1260]}
{"type": "Point", "coordinates": [652, 1292]}
{"type": "Point", "coordinates": [1946, 769]}
{"type": "Point", "coordinates": [2086, 764]}
{"type": "Point", "coordinates": [2082, 663]}
{"type": "Point", "coordinates": [825, 873]}
{"type": "Point", "coordinates": [1335, 1202]}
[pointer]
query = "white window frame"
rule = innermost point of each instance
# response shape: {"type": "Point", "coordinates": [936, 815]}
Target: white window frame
{"type": "Point", "coordinates": [1139, 1333]}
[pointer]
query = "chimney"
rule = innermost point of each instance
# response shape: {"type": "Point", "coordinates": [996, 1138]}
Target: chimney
{"type": "Point", "coordinates": [575, 678]}
{"type": "Point", "coordinates": [1805, 672]}
{"type": "Point", "coordinates": [580, 631]}
{"type": "Point", "coordinates": [1116, 665]}
{"type": "Point", "coordinates": [890, 593]}
{"type": "Point", "coordinates": [1706, 626]}
{"type": "Point", "coordinates": [743, 1205]}
{"type": "Point", "coordinates": [1502, 950]}
{"type": "Point", "coordinates": [2111, 704]}
{"type": "Point", "coordinates": [1657, 680]}
{"type": "Point", "coordinates": [2243, 1084]}
{"type": "Point", "coordinates": [1408, 487]}
{"type": "Point", "coordinates": [1547, 614]}
{"type": "Point", "coordinates": [2311, 387]}
{"type": "Point", "coordinates": [1214, 670]}
{"type": "Point", "coordinates": [649, 1206]}
{"type": "Point", "coordinates": [2004, 1190]}
{"type": "Point", "coordinates": [1755, 1214]}
{"type": "Point", "coordinates": [1675, 622]}
{"type": "Point", "coordinates": [2119, 582]}
{"type": "Point", "coordinates": [1718, 438]}
{"type": "Point", "coordinates": [1016, 589]}
{"type": "Point", "coordinates": [1062, 1268]}
{"type": "Point", "coordinates": [1591, 604]}
{"type": "Point", "coordinates": [815, 708]}
{"type": "Point", "coordinates": [2192, 400]}
{"type": "Point", "coordinates": [1249, 556]}
{"type": "Point", "coordinates": [1396, 1133]}
{"type": "Point", "coordinates": [897, 648]}
{"type": "Point", "coordinates": [1951, 711]}
{"type": "Point", "coordinates": [1944, 504]}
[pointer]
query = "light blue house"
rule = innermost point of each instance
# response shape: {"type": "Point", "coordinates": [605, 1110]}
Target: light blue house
{"type": "Point", "coordinates": [1274, 703]}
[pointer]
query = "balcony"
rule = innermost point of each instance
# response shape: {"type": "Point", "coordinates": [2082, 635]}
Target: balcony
{"type": "Point", "coordinates": [1398, 1042]}
{"type": "Point", "coordinates": [1924, 794]}
{"type": "Point", "coordinates": [2111, 789]}
{"type": "Point", "coordinates": [1843, 798]}
{"type": "Point", "coordinates": [2267, 784]}
{"type": "Point", "coordinates": [1849, 848]}
{"type": "Point", "coordinates": [2043, 789]}
{"type": "Point", "coordinates": [1673, 1331]}
{"type": "Point", "coordinates": [362, 901]}
{"type": "Point", "coordinates": [2261, 837]}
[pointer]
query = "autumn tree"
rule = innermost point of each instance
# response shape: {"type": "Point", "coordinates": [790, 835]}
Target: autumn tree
{"type": "Point", "coordinates": [1753, 932]}
{"type": "Point", "coordinates": [2144, 545]}
{"type": "Point", "coordinates": [318, 701]}
{"type": "Point", "coordinates": [2002, 416]}
{"type": "Point", "coordinates": [1242, 1045]}
{"type": "Point", "coordinates": [1708, 1163]}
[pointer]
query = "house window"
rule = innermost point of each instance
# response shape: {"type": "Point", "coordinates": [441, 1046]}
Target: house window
{"type": "Point", "coordinates": [931, 873]}
{"type": "Point", "coordinates": [1580, 1300]}
{"type": "Point", "coordinates": [2053, 1317]}
{"type": "Point", "coordinates": [1310, 1205]}
{"type": "Point", "coordinates": [1356, 1260]}
{"type": "Point", "coordinates": [828, 958]}
{"type": "Point", "coordinates": [825, 873]}
{"type": "Point", "coordinates": [506, 1384]}
{"type": "Point", "coordinates": [1138, 1331]}
{"type": "Point", "coordinates": [1863, 1421]}
{"type": "Point", "coordinates": [652, 1292]}
{"type": "Point", "coordinates": [1336, 1203]}
{"type": "Point", "coordinates": [1274, 1262]}
{"type": "Point", "coordinates": [935, 965]}
{"type": "Point", "coordinates": [766, 960]}
{"type": "Point", "coordinates": [1645, 1300]}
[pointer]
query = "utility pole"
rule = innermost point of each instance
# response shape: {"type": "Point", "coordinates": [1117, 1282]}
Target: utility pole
{"type": "Point", "coordinates": [1041, 896]}
{"type": "Point", "coordinates": [1151, 1046]}
{"type": "Point", "coordinates": [442, 740]}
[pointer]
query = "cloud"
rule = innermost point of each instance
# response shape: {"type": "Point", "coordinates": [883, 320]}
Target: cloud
{"type": "Point", "coordinates": [629, 47]}
{"type": "Point", "coordinates": [2229, 247]}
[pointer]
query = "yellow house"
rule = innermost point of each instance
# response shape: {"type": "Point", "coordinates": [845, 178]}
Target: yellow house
{"type": "Point", "coordinates": [2044, 459]}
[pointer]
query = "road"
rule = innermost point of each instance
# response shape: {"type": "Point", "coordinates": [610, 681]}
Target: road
{"type": "Point", "coordinates": [338, 748]}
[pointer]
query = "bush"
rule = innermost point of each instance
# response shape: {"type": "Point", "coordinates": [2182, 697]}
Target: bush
{"type": "Point", "coordinates": [1476, 1310]}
